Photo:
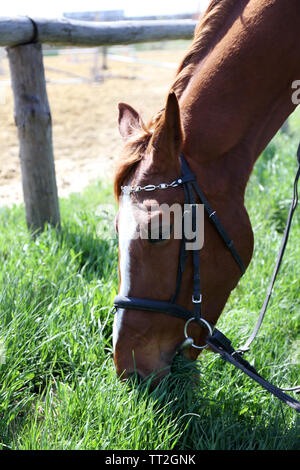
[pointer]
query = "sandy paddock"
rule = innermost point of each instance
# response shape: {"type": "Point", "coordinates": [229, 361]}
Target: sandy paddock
{"type": "Point", "coordinates": [84, 114]}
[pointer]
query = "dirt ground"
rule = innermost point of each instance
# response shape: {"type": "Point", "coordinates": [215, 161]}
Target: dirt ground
{"type": "Point", "coordinates": [84, 114]}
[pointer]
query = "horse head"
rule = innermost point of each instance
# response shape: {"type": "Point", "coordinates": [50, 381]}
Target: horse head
{"type": "Point", "coordinates": [152, 249]}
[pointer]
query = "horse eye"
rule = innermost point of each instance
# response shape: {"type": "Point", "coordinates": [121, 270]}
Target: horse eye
{"type": "Point", "coordinates": [159, 234]}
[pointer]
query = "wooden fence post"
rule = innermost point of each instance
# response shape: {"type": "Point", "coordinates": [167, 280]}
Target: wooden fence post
{"type": "Point", "coordinates": [33, 121]}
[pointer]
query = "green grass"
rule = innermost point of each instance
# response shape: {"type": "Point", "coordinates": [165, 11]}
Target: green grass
{"type": "Point", "coordinates": [58, 387]}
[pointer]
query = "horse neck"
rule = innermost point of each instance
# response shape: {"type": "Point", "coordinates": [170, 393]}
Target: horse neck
{"type": "Point", "coordinates": [241, 93]}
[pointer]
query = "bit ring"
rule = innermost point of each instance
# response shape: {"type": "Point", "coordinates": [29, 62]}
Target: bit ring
{"type": "Point", "coordinates": [188, 337]}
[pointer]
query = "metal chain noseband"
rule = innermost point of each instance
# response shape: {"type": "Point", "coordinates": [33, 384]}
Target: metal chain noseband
{"type": "Point", "coordinates": [150, 187]}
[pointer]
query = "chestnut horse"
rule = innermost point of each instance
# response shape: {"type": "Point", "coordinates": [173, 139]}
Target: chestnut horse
{"type": "Point", "coordinates": [232, 92]}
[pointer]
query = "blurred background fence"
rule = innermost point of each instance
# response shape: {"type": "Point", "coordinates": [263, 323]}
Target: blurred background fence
{"type": "Point", "coordinates": [149, 54]}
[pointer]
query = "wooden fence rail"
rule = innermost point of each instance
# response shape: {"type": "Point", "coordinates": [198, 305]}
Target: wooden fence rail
{"type": "Point", "coordinates": [23, 37]}
{"type": "Point", "coordinates": [66, 32]}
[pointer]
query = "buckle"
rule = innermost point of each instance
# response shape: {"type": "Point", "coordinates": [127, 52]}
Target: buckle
{"type": "Point", "coordinates": [197, 301]}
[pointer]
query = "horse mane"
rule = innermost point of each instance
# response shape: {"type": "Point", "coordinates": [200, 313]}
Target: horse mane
{"type": "Point", "coordinates": [133, 152]}
{"type": "Point", "coordinates": [204, 39]}
{"type": "Point", "coordinates": [205, 32]}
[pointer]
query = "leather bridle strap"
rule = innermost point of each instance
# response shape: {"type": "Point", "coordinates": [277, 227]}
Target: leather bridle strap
{"type": "Point", "coordinates": [222, 345]}
{"type": "Point", "coordinates": [246, 346]}
{"type": "Point", "coordinates": [150, 305]}
{"type": "Point", "coordinates": [219, 343]}
{"type": "Point", "coordinates": [213, 218]}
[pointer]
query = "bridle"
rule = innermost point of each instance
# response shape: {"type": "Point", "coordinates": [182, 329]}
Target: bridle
{"type": "Point", "coordinates": [215, 339]}
{"type": "Point", "coordinates": [191, 190]}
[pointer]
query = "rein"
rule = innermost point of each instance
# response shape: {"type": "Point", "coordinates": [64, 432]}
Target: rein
{"type": "Point", "coordinates": [216, 340]}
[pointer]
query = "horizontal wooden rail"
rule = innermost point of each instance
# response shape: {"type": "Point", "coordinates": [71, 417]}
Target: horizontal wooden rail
{"type": "Point", "coordinates": [67, 32]}
{"type": "Point", "coordinates": [23, 37]}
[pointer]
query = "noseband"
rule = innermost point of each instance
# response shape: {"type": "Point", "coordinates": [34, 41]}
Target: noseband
{"type": "Point", "coordinates": [192, 193]}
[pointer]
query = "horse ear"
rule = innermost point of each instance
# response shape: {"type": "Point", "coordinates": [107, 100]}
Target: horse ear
{"type": "Point", "coordinates": [129, 120]}
{"type": "Point", "coordinates": [168, 135]}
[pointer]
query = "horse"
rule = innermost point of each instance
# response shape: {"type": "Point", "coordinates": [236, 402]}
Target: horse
{"type": "Point", "coordinates": [231, 93]}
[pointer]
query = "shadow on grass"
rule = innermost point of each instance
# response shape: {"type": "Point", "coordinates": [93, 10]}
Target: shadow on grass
{"type": "Point", "coordinates": [206, 423]}
{"type": "Point", "coordinates": [96, 257]}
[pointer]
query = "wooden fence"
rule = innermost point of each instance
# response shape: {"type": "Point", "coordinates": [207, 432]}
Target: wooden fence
{"type": "Point", "coordinates": [23, 37]}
